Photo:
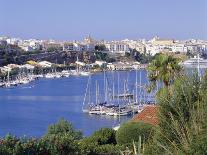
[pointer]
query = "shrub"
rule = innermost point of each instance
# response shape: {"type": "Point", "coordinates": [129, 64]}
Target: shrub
{"type": "Point", "coordinates": [102, 141]}
{"type": "Point", "coordinates": [62, 127]}
{"type": "Point", "coordinates": [131, 131]}
{"type": "Point", "coordinates": [182, 116]}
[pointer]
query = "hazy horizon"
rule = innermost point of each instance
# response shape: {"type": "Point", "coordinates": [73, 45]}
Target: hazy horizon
{"type": "Point", "coordinates": [104, 19]}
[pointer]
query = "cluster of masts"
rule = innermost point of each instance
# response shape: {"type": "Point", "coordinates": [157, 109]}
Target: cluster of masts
{"type": "Point", "coordinates": [113, 104]}
{"type": "Point", "coordinates": [28, 76]}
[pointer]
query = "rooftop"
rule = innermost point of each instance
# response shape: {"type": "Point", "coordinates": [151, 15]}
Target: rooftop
{"type": "Point", "coordinates": [147, 115]}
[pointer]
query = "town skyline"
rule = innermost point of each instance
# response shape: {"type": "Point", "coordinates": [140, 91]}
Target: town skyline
{"type": "Point", "coordinates": [99, 39]}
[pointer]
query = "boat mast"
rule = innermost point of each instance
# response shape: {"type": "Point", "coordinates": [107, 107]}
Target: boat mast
{"type": "Point", "coordinates": [118, 98]}
{"type": "Point", "coordinates": [106, 90]}
{"type": "Point", "coordinates": [136, 87]}
{"type": "Point", "coordinates": [113, 87]}
{"type": "Point", "coordinates": [89, 92]}
{"type": "Point", "coordinates": [133, 102]}
{"type": "Point", "coordinates": [86, 93]}
{"type": "Point", "coordinates": [105, 93]}
{"type": "Point", "coordinates": [96, 92]}
{"type": "Point", "coordinates": [140, 83]}
{"type": "Point", "coordinates": [8, 79]}
{"type": "Point", "coordinates": [124, 89]}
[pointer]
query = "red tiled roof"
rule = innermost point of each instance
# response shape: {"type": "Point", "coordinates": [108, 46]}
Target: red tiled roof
{"type": "Point", "coordinates": [147, 115]}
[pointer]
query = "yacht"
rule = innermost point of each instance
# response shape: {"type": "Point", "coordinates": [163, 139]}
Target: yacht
{"type": "Point", "coordinates": [49, 76]}
{"type": "Point", "coordinates": [1, 84]}
{"type": "Point", "coordinates": [194, 62]}
{"type": "Point", "coordinates": [75, 72]}
{"type": "Point", "coordinates": [65, 73]}
{"type": "Point", "coordinates": [84, 73]}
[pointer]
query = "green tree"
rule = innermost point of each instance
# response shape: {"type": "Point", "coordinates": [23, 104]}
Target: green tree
{"type": "Point", "coordinates": [63, 126]}
{"type": "Point", "coordinates": [101, 141]}
{"type": "Point", "coordinates": [61, 139]}
{"type": "Point", "coordinates": [131, 131]}
{"type": "Point", "coordinates": [143, 58]}
{"type": "Point", "coordinates": [163, 68]}
{"type": "Point", "coordinates": [182, 125]}
{"type": "Point", "coordinates": [101, 47]}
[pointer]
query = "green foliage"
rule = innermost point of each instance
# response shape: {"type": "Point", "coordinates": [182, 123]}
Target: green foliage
{"type": "Point", "coordinates": [54, 49]}
{"type": "Point", "coordinates": [136, 149]}
{"type": "Point", "coordinates": [182, 118]}
{"type": "Point", "coordinates": [104, 136]}
{"type": "Point", "coordinates": [101, 56]}
{"type": "Point", "coordinates": [143, 58]}
{"type": "Point", "coordinates": [61, 139]}
{"type": "Point", "coordinates": [102, 141]}
{"type": "Point", "coordinates": [190, 54]}
{"type": "Point", "coordinates": [101, 47]}
{"type": "Point", "coordinates": [63, 127]}
{"type": "Point", "coordinates": [60, 144]}
{"type": "Point", "coordinates": [31, 52]}
{"type": "Point", "coordinates": [131, 131]}
{"type": "Point", "coordinates": [163, 68]}
{"type": "Point", "coordinates": [11, 145]}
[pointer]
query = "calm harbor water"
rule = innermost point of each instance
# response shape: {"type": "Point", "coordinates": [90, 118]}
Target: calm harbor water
{"type": "Point", "coordinates": [29, 109]}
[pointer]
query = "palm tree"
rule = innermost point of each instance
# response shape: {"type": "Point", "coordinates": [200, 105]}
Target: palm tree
{"type": "Point", "coordinates": [164, 68]}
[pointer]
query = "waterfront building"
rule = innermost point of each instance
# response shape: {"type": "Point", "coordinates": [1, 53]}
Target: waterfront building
{"type": "Point", "coordinates": [13, 41]}
{"type": "Point", "coordinates": [117, 47]}
{"type": "Point", "coordinates": [124, 65]}
{"type": "Point", "coordinates": [179, 47]}
{"type": "Point", "coordinates": [47, 45]}
{"type": "Point", "coordinates": [68, 47]}
{"type": "Point", "coordinates": [135, 44]}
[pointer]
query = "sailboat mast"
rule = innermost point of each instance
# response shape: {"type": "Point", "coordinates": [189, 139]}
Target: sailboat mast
{"type": "Point", "coordinates": [96, 92]}
{"type": "Point", "coordinates": [89, 92]}
{"type": "Point", "coordinates": [124, 89]}
{"type": "Point", "coordinates": [106, 91]}
{"type": "Point", "coordinates": [136, 87]}
{"type": "Point", "coordinates": [118, 97]}
{"type": "Point", "coordinates": [140, 83]}
{"type": "Point", "coordinates": [8, 76]}
{"type": "Point", "coordinates": [113, 87]}
{"type": "Point", "coordinates": [118, 88]}
{"type": "Point", "coordinates": [87, 87]}
{"type": "Point", "coordinates": [104, 86]}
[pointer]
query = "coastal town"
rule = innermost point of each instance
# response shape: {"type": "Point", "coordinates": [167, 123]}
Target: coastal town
{"type": "Point", "coordinates": [22, 61]}
{"type": "Point", "coordinates": [103, 77]}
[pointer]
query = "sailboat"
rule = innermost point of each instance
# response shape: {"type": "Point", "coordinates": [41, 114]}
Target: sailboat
{"type": "Point", "coordinates": [106, 107]}
{"type": "Point", "coordinates": [7, 84]}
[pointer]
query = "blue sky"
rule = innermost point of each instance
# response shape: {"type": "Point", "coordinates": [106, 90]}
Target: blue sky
{"type": "Point", "coordinates": [103, 19]}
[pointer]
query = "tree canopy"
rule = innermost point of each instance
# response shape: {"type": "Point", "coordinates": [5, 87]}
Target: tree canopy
{"type": "Point", "coordinates": [164, 68]}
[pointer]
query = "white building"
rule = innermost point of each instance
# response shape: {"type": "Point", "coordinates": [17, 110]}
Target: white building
{"type": "Point", "coordinates": [68, 47]}
{"type": "Point", "coordinates": [117, 47]}
{"type": "Point", "coordinates": [179, 48]}
{"type": "Point", "coordinates": [26, 48]}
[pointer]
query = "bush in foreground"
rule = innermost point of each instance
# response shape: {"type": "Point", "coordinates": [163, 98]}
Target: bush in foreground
{"type": "Point", "coordinates": [102, 141]}
{"type": "Point", "coordinates": [131, 131]}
